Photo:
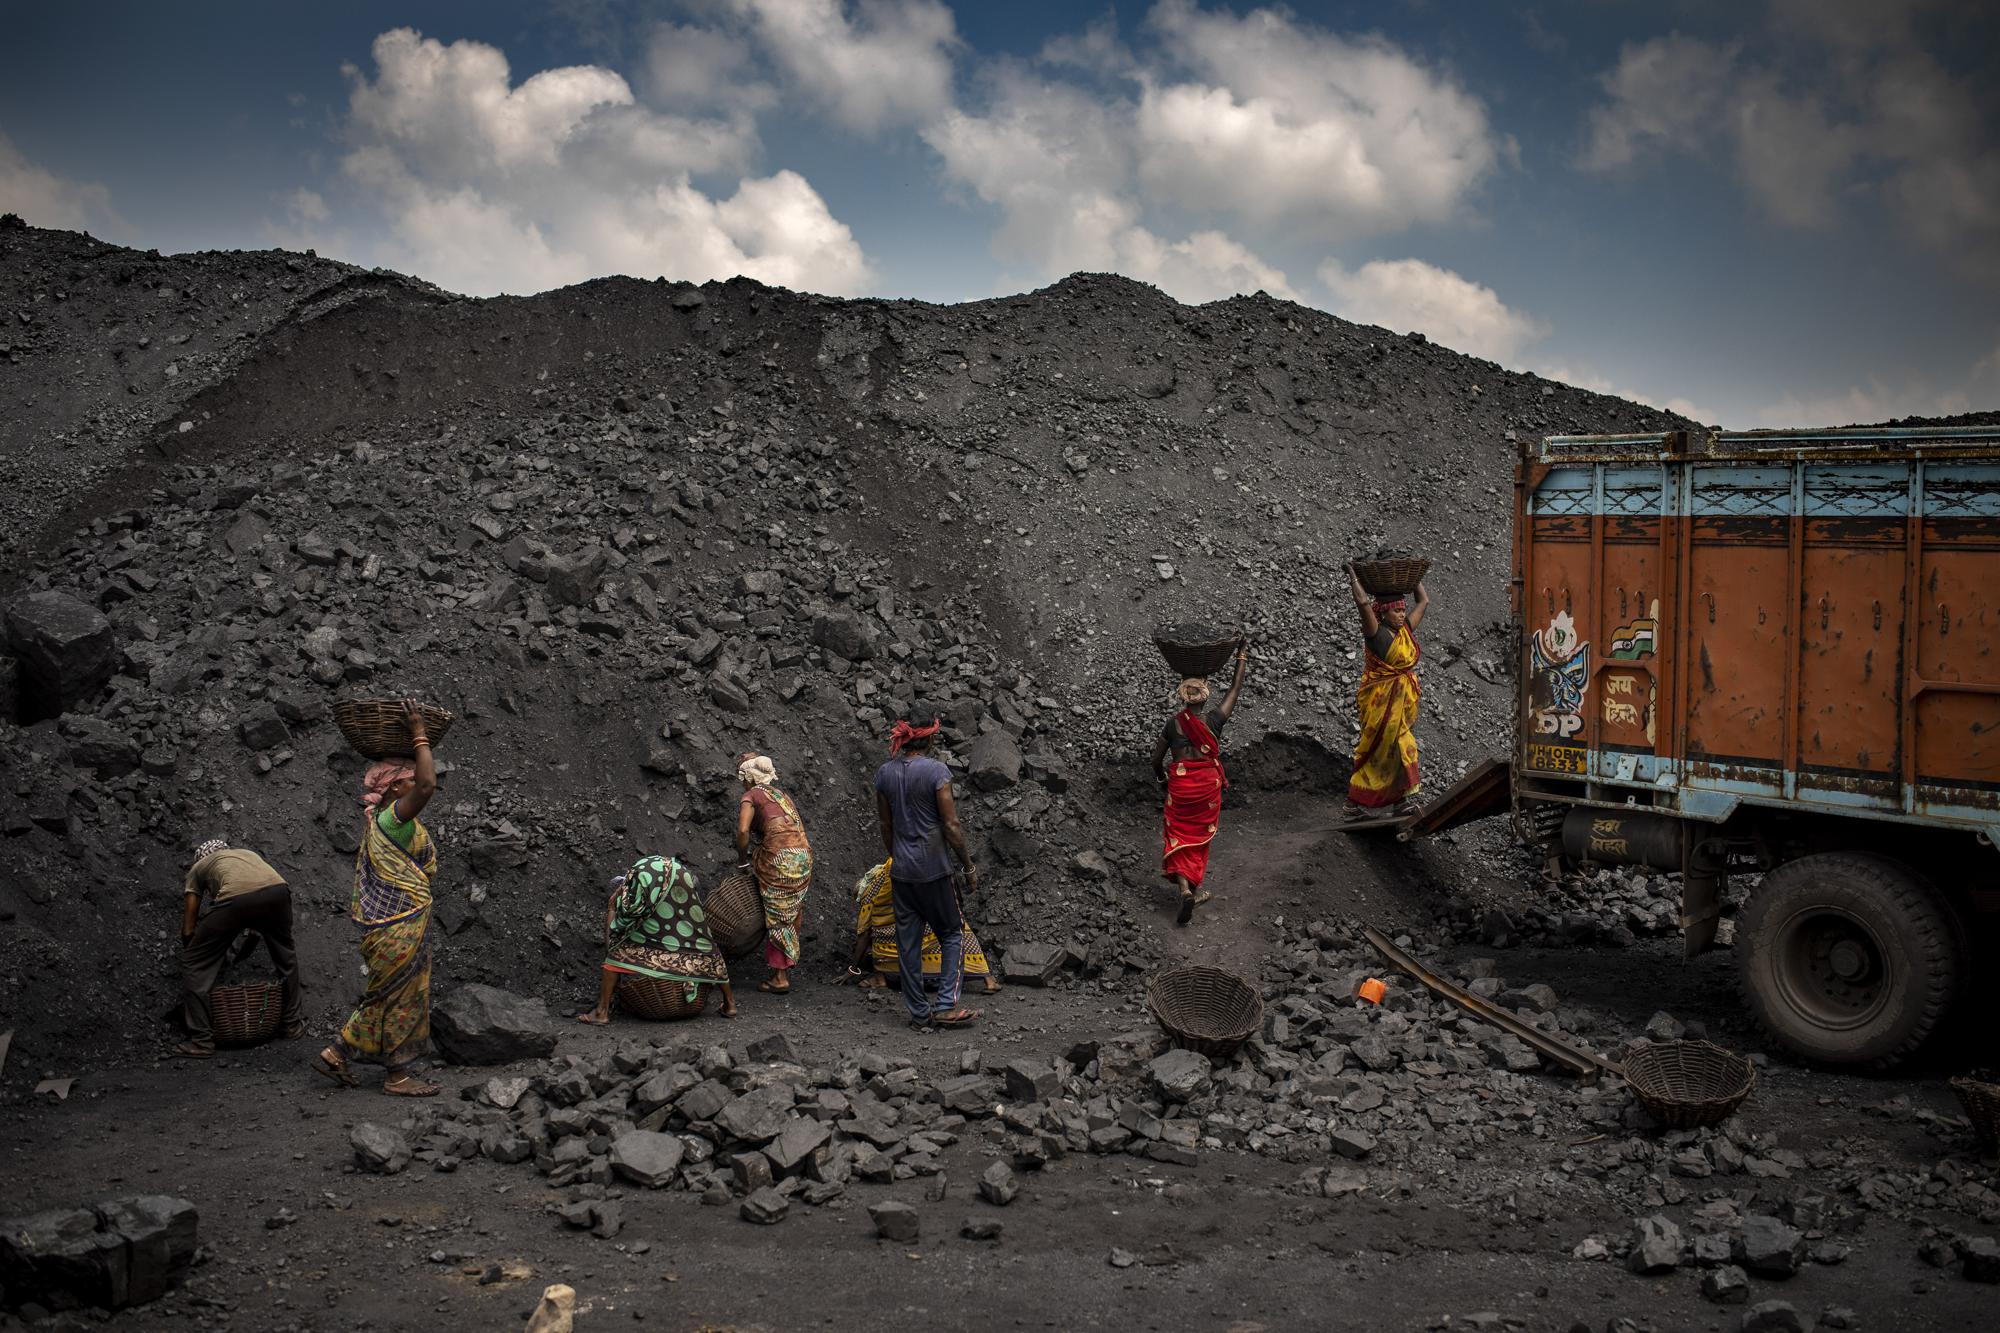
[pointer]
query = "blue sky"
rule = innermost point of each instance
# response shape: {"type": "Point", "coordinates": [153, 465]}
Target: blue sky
{"type": "Point", "coordinates": [1769, 212]}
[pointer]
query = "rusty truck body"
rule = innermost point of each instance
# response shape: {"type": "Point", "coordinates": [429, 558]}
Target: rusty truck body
{"type": "Point", "coordinates": [1775, 652]}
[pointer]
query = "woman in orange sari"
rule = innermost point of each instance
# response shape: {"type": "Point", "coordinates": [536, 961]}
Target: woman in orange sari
{"type": "Point", "coordinates": [1188, 760]}
{"type": "Point", "coordinates": [1385, 757]}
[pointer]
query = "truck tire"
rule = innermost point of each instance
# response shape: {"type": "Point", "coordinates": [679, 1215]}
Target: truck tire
{"type": "Point", "coordinates": [1849, 958]}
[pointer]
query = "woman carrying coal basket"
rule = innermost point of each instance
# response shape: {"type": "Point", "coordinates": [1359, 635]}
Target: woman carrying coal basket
{"type": "Point", "coordinates": [1188, 761]}
{"type": "Point", "coordinates": [391, 1025]}
{"type": "Point", "coordinates": [654, 926]}
{"type": "Point", "coordinates": [1385, 757]}
{"type": "Point", "coordinates": [783, 864]}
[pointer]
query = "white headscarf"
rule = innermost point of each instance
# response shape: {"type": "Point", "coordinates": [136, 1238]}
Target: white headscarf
{"type": "Point", "coordinates": [757, 770]}
{"type": "Point", "coordinates": [210, 848]}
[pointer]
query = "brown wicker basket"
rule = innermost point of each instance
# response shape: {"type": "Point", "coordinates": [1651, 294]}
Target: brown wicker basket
{"type": "Point", "coordinates": [735, 914]}
{"type": "Point", "coordinates": [658, 1001]}
{"type": "Point", "coordinates": [246, 1014]}
{"type": "Point", "coordinates": [1391, 578]}
{"type": "Point", "coordinates": [1205, 1009]}
{"type": "Point", "coordinates": [1194, 651]}
{"type": "Point", "coordinates": [1982, 1107]}
{"type": "Point", "coordinates": [376, 727]}
{"type": "Point", "coordinates": [1687, 1084]}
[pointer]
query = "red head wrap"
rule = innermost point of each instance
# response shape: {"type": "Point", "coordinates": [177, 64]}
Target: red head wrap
{"type": "Point", "coordinates": [1388, 604]}
{"type": "Point", "coordinates": [904, 733]}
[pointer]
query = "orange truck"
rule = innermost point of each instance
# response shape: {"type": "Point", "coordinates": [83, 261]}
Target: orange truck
{"type": "Point", "coordinates": [1771, 652]}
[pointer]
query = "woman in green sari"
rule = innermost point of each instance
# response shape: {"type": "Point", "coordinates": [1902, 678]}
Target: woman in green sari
{"type": "Point", "coordinates": [654, 926]}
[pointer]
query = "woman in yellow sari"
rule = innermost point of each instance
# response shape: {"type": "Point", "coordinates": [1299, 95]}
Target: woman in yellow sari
{"type": "Point", "coordinates": [875, 939]}
{"type": "Point", "coordinates": [391, 1025]}
{"type": "Point", "coordinates": [1385, 757]}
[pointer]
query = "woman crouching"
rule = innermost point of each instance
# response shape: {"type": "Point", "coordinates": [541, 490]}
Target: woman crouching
{"type": "Point", "coordinates": [654, 926]}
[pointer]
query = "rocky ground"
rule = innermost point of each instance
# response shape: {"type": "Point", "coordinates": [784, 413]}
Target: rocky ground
{"type": "Point", "coordinates": [628, 529]}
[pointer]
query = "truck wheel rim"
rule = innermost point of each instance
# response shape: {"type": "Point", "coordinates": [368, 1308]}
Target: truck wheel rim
{"type": "Point", "coordinates": [1832, 969]}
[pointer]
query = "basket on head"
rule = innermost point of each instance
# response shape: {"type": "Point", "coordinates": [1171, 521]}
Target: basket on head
{"type": "Point", "coordinates": [1982, 1107]}
{"type": "Point", "coordinates": [246, 1014]}
{"type": "Point", "coordinates": [658, 1001]}
{"type": "Point", "coordinates": [1194, 651]}
{"type": "Point", "coordinates": [735, 914]}
{"type": "Point", "coordinates": [1205, 1009]}
{"type": "Point", "coordinates": [1687, 1084]}
{"type": "Point", "coordinates": [1393, 577]}
{"type": "Point", "coordinates": [376, 727]}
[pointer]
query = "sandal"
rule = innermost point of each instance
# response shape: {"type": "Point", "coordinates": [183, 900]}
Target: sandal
{"type": "Point", "coordinates": [329, 1063]}
{"type": "Point", "coordinates": [960, 1017]}
{"type": "Point", "coordinates": [992, 985]}
{"type": "Point", "coordinates": [194, 1052]}
{"type": "Point", "coordinates": [408, 1085]}
{"type": "Point", "coordinates": [769, 989]}
{"type": "Point", "coordinates": [1187, 910]}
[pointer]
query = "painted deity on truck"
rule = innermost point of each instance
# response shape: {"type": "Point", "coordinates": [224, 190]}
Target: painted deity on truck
{"type": "Point", "coordinates": [1561, 669]}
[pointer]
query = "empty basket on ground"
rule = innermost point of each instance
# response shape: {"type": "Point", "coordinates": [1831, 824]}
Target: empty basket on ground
{"type": "Point", "coordinates": [735, 914]}
{"type": "Point", "coordinates": [657, 1000]}
{"type": "Point", "coordinates": [1982, 1107]}
{"type": "Point", "coordinates": [1686, 1084]}
{"type": "Point", "coordinates": [246, 1014]}
{"type": "Point", "coordinates": [376, 727]}
{"type": "Point", "coordinates": [1195, 650]}
{"type": "Point", "coordinates": [1392, 577]}
{"type": "Point", "coordinates": [1205, 1008]}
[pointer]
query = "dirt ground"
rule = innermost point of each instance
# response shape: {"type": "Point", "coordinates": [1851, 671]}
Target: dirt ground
{"type": "Point", "coordinates": [294, 1239]}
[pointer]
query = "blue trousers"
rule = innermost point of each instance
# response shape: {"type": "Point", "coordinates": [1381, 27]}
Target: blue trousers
{"type": "Point", "coordinates": [918, 905]}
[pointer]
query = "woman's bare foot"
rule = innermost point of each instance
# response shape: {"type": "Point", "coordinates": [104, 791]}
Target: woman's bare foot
{"type": "Point", "coordinates": [875, 982]}
{"type": "Point", "coordinates": [408, 1085]}
{"type": "Point", "coordinates": [728, 1009]}
{"type": "Point", "coordinates": [594, 1017]}
{"type": "Point", "coordinates": [776, 984]}
{"type": "Point", "coordinates": [992, 984]}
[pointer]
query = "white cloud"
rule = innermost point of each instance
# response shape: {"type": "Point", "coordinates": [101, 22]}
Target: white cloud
{"type": "Point", "coordinates": [1883, 399]}
{"type": "Point", "coordinates": [701, 69]}
{"type": "Point", "coordinates": [1408, 295]}
{"type": "Point", "coordinates": [1664, 94]}
{"type": "Point", "coordinates": [1057, 162]}
{"type": "Point", "coordinates": [45, 199]}
{"type": "Point", "coordinates": [1207, 266]}
{"type": "Point", "coordinates": [1589, 379]}
{"type": "Point", "coordinates": [1842, 100]}
{"type": "Point", "coordinates": [489, 186]}
{"type": "Point", "coordinates": [1281, 119]}
{"type": "Point", "coordinates": [887, 64]}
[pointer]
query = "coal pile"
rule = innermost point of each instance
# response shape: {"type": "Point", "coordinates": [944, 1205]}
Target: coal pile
{"type": "Point", "coordinates": [628, 529]}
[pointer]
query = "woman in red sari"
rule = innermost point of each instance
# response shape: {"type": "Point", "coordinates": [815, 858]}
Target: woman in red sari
{"type": "Point", "coordinates": [1188, 760]}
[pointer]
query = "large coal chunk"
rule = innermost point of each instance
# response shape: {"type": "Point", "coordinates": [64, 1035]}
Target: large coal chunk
{"type": "Point", "coordinates": [994, 761]}
{"type": "Point", "coordinates": [484, 1025]}
{"type": "Point", "coordinates": [845, 634]}
{"type": "Point", "coordinates": [66, 648]}
{"type": "Point", "coordinates": [121, 1252]}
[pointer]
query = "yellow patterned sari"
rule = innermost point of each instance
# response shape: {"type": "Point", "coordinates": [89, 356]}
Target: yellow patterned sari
{"type": "Point", "coordinates": [877, 924]}
{"type": "Point", "coordinates": [1385, 757]}
{"type": "Point", "coordinates": [391, 1024]}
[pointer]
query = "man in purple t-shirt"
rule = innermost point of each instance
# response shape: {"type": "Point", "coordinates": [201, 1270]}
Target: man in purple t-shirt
{"type": "Point", "coordinates": [919, 823]}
